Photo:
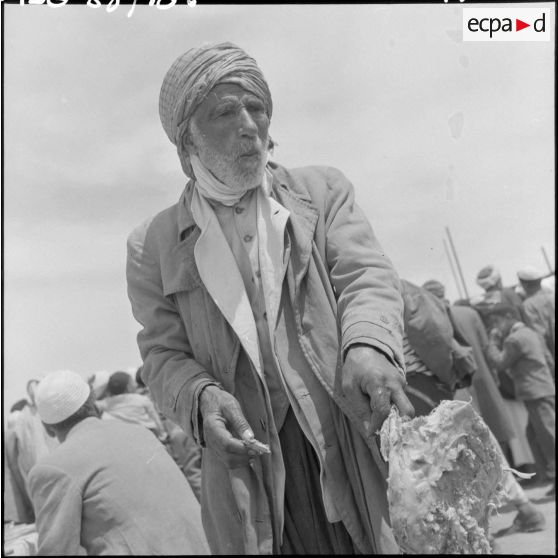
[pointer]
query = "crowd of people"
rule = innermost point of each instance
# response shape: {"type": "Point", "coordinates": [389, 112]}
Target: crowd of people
{"type": "Point", "coordinates": [511, 385]}
{"type": "Point", "coordinates": [276, 338]}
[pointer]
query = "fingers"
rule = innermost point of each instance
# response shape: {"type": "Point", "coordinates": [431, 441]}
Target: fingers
{"type": "Point", "coordinates": [403, 403]}
{"type": "Point", "coordinates": [232, 451]}
{"type": "Point", "coordinates": [380, 403]}
{"type": "Point", "coordinates": [361, 406]}
{"type": "Point", "coordinates": [236, 420]}
{"type": "Point", "coordinates": [222, 428]}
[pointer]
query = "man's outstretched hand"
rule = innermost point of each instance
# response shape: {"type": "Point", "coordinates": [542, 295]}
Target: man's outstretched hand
{"type": "Point", "coordinates": [223, 425]}
{"type": "Point", "coordinates": [372, 383]}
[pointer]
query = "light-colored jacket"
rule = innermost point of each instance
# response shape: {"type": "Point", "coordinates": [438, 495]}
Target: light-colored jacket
{"type": "Point", "coordinates": [112, 489]}
{"type": "Point", "coordinates": [342, 290]}
{"type": "Point", "coordinates": [540, 314]}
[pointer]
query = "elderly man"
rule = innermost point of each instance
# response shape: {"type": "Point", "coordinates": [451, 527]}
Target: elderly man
{"type": "Point", "coordinates": [109, 488]}
{"type": "Point", "coordinates": [271, 324]}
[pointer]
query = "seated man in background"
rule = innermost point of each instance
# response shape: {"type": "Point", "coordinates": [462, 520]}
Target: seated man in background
{"type": "Point", "coordinates": [109, 488]}
{"type": "Point", "coordinates": [123, 404]}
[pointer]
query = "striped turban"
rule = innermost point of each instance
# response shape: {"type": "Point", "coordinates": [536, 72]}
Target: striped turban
{"type": "Point", "coordinates": [190, 79]}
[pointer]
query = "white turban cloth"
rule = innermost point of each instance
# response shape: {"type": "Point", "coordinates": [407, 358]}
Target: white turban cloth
{"type": "Point", "coordinates": [190, 79]}
{"type": "Point", "coordinates": [488, 277]}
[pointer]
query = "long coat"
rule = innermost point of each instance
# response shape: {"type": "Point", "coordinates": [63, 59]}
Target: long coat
{"type": "Point", "coordinates": [342, 290]}
{"type": "Point", "coordinates": [469, 325]}
{"type": "Point", "coordinates": [112, 488]}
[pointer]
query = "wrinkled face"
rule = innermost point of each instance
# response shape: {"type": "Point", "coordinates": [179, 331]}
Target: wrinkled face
{"type": "Point", "coordinates": [229, 133]}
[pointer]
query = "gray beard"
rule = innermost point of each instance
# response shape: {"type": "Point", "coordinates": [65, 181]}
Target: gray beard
{"type": "Point", "coordinates": [229, 168]}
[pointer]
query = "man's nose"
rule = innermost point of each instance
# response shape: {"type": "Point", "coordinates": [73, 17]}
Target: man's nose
{"type": "Point", "coordinates": [247, 126]}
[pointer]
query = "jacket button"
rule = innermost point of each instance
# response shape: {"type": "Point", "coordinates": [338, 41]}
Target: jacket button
{"type": "Point", "coordinates": [248, 238]}
{"type": "Point", "coordinates": [238, 209]}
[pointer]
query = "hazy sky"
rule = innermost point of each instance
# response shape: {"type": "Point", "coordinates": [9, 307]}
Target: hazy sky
{"type": "Point", "coordinates": [432, 131]}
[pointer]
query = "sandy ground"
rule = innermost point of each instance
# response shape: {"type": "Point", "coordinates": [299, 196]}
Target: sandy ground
{"type": "Point", "coordinates": [542, 542]}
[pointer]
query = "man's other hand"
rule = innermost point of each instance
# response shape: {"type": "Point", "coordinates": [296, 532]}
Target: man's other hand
{"type": "Point", "coordinates": [223, 425]}
{"type": "Point", "coordinates": [371, 383]}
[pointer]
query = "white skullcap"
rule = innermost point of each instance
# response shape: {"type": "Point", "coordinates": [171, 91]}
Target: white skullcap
{"type": "Point", "coordinates": [530, 273]}
{"type": "Point", "coordinates": [59, 395]}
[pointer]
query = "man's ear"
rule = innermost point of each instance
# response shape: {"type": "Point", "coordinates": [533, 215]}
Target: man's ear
{"type": "Point", "coordinates": [188, 144]}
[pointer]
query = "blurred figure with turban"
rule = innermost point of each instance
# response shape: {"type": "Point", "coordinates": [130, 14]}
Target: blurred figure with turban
{"type": "Point", "coordinates": [272, 324]}
{"type": "Point", "coordinates": [108, 488]}
{"type": "Point", "coordinates": [489, 279]}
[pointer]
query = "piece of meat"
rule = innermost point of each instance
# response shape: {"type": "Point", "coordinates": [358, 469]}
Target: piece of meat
{"type": "Point", "coordinates": [445, 477]}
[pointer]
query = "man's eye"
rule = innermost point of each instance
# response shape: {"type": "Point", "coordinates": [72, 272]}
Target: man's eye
{"type": "Point", "coordinates": [226, 112]}
{"type": "Point", "coordinates": [255, 107]}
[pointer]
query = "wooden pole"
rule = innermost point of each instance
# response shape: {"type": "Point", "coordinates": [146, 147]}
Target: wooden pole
{"type": "Point", "coordinates": [546, 259]}
{"type": "Point", "coordinates": [452, 269]}
{"type": "Point", "coordinates": [457, 263]}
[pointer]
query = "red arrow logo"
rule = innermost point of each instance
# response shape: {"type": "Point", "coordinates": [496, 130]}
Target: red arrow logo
{"type": "Point", "coordinates": [519, 25]}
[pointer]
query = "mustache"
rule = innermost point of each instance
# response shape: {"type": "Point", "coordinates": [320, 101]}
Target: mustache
{"type": "Point", "coordinates": [248, 147]}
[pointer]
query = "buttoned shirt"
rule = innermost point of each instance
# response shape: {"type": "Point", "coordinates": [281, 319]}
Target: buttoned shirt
{"type": "Point", "coordinates": [265, 287]}
{"type": "Point", "coordinates": [239, 225]}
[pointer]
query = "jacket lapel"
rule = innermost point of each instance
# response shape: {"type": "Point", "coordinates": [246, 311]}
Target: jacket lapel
{"type": "Point", "coordinates": [178, 268]}
{"type": "Point", "coordinates": [220, 275]}
{"type": "Point", "coordinates": [199, 258]}
{"type": "Point", "coordinates": [301, 226]}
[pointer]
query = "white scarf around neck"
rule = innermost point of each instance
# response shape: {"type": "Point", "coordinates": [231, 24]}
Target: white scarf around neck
{"type": "Point", "coordinates": [212, 188]}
